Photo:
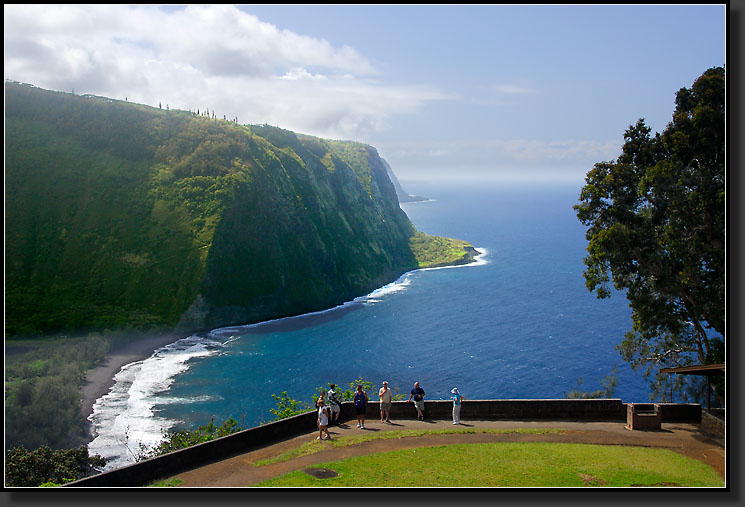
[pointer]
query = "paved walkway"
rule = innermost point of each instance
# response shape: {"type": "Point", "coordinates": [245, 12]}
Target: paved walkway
{"type": "Point", "coordinates": [239, 471]}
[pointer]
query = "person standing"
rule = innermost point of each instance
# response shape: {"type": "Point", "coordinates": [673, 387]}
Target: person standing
{"type": "Point", "coordinates": [417, 394]}
{"type": "Point", "coordinates": [334, 404]}
{"type": "Point", "coordinates": [457, 399]}
{"type": "Point", "coordinates": [360, 406]}
{"type": "Point", "coordinates": [323, 420]}
{"type": "Point", "coordinates": [385, 395]}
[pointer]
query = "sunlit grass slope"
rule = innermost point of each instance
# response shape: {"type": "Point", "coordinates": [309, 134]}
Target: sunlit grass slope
{"type": "Point", "coordinates": [523, 464]}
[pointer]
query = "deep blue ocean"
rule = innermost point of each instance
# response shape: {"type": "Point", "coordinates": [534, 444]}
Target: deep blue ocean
{"type": "Point", "coordinates": [520, 323]}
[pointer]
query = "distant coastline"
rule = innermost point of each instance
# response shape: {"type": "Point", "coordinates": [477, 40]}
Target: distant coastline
{"type": "Point", "coordinates": [412, 198]}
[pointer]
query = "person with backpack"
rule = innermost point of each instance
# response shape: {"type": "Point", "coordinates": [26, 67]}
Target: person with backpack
{"type": "Point", "coordinates": [360, 406]}
{"type": "Point", "coordinates": [334, 404]}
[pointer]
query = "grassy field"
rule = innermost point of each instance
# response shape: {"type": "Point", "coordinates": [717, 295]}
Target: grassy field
{"type": "Point", "coordinates": [431, 251]}
{"type": "Point", "coordinates": [512, 465]}
{"type": "Point", "coordinates": [315, 446]}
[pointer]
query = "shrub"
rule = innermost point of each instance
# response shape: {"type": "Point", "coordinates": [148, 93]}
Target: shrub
{"type": "Point", "coordinates": [45, 467]}
{"type": "Point", "coordinates": [182, 439]}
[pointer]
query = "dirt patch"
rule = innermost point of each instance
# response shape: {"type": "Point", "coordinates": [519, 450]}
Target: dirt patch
{"type": "Point", "coordinates": [321, 473]}
{"type": "Point", "coordinates": [589, 480]}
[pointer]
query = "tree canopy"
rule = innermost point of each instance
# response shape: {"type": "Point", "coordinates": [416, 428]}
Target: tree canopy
{"type": "Point", "coordinates": [656, 229]}
{"type": "Point", "coordinates": [45, 467]}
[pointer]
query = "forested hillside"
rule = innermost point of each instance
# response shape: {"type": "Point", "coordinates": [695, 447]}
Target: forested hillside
{"type": "Point", "coordinates": [119, 214]}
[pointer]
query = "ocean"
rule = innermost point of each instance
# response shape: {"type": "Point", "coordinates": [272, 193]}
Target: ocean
{"type": "Point", "coordinates": [517, 324]}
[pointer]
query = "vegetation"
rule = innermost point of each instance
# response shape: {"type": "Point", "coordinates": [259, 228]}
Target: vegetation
{"type": "Point", "coordinates": [526, 464]}
{"type": "Point", "coordinates": [181, 439]}
{"type": "Point", "coordinates": [167, 483]}
{"type": "Point", "coordinates": [288, 407]}
{"type": "Point", "coordinates": [609, 386]}
{"type": "Point", "coordinates": [45, 467]}
{"type": "Point", "coordinates": [121, 215]}
{"type": "Point", "coordinates": [656, 229]}
{"type": "Point", "coordinates": [432, 251]}
{"type": "Point", "coordinates": [43, 377]}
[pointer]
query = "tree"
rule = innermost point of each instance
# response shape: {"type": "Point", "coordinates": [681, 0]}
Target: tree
{"type": "Point", "coordinates": [46, 467]}
{"type": "Point", "coordinates": [609, 386]}
{"type": "Point", "coordinates": [288, 407]}
{"type": "Point", "coordinates": [655, 220]}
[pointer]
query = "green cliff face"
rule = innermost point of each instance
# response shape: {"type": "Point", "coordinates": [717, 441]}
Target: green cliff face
{"type": "Point", "coordinates": [119, 214]}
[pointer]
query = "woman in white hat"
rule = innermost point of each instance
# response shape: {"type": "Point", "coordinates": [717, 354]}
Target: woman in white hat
{"type": "Point", "coordinates": [457, 399]}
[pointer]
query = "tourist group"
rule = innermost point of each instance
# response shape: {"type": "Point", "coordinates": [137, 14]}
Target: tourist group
{"type": "Point", "coordinates": [329, 406]}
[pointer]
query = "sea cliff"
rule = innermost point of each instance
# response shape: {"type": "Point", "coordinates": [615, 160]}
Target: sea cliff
{"type": "Point", "coordinates": [124, 215]}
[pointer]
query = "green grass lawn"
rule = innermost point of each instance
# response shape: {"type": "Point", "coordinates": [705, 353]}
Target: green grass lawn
{"type": "Point", "coordinates": [315, 446]}
{"type": "Point", "coordinates": [526, 464]}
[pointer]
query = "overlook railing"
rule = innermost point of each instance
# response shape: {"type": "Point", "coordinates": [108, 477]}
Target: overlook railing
{"type": "Point", "coordinates": [145, 472]}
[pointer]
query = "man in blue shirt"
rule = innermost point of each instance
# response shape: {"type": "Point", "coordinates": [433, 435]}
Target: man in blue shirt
{"type": "Point", "coordinates": [418, 395]}
{"type": "Point", "coordinates": [360, 406]}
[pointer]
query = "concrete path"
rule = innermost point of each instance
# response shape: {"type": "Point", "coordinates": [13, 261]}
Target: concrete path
{"type": "Point", "coordinates": [239, 470]}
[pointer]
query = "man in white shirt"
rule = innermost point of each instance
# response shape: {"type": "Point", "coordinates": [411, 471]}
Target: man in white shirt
{"type": "Point", "coordinates": [334, 404]}
{"type": "Point", "coordinates": [385, 396]}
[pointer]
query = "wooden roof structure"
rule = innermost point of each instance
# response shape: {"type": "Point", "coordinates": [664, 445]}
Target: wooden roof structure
{"type": "Point", "coordinates": [698, 369]}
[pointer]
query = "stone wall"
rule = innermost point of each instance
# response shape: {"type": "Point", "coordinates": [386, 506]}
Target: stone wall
{"type": "Point", "coordinates": [145, 472]}
{"type": "Point", "coordinates": [597, 409]}
{"type": "Point", "coordinates": [712, 423]}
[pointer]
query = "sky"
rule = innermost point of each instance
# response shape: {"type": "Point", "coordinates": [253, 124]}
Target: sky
{"type": "Point", "coordinates": [442, 91]}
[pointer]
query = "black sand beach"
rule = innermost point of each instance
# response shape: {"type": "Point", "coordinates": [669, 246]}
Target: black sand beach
{"type": "Point", "coordinates": [99, 380]}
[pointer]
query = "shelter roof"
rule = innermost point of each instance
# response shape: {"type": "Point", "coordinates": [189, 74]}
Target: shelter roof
{"type": "Point", "coordinates": [697, 369]}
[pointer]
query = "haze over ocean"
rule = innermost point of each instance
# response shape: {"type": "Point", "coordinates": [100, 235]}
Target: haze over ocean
{"type": "Point", "coordinates": [518, 324]}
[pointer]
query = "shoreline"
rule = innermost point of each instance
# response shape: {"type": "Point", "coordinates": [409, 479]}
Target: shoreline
{"type": "Point", "coordinates": [99, 380]}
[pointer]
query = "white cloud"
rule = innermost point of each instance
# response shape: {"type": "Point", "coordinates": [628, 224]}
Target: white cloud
{"type": "Point", "coordinates": [301, 73]}
{"type": "Point", "coordinates": [511, 89]}
{"type": "Point", "coordinates": [215, 57]}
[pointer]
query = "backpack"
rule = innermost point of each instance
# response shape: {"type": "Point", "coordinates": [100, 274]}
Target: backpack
{"type": "Point", "coordinates": [333, 398]}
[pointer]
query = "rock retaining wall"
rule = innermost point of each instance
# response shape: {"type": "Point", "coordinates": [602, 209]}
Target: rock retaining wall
{"type": "Point", "coordinates": [712, 423]}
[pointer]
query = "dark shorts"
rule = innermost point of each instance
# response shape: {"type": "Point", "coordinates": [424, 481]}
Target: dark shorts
{"type": "Point", "coordinates": [360, 410]}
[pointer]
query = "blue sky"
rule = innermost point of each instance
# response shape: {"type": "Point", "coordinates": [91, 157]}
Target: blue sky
{"type": "Point", "coordinates": [483, 91]}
